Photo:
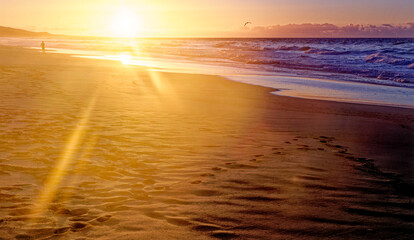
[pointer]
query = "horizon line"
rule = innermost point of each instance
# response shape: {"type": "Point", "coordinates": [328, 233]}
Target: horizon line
{"type": "Point", "coordinates": [218, 37]}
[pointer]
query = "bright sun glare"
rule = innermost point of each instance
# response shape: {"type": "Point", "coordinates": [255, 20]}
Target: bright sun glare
{"type": "Point", "coordinates": [124, 23]}
{"type": "Point", "coordinates": [125, 59]}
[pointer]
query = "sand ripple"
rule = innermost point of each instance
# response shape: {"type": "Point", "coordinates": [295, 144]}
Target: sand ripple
{"type": "Point", "coordinates": [147, 168]}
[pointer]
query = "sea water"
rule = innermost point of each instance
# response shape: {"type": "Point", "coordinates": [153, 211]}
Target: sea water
{"type": "Point", "coordinates": [373, 71]}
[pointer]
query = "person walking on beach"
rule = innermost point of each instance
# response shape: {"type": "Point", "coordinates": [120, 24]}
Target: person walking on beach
{"type": "Point", "coordinates": [43, 47]}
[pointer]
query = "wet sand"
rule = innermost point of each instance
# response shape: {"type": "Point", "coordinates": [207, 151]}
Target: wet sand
{"type": "Point", "coordinates": [95, 149]}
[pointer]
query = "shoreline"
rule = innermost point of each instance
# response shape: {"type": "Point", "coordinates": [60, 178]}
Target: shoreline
{"type": "Point", "coordinates": [279, 82]}
{"type": "Point", "coordinates": [352, 89]}
{"type": "Point", "coordinates": [405, 119]}
{"type": "Point", "coordinates": [302, 89]}
{"type": "Point", "coordinates": [103, 149]}
{"type": "Point", "coordinates": [288, 90]}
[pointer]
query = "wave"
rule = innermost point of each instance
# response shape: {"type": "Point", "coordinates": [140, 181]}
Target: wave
{"type": "Point", "coordinates": [383, 61]}
{"type": "Point", "coordinates": [224, 44]}
{"type": "Point", "coordinates": [263, 61]}
{"type": "Point", "coordinates": [327, 52]}
{"type": "Point", "coordinates": [384, 58]}
{"type": "Point", "coordinates": [290, 48]}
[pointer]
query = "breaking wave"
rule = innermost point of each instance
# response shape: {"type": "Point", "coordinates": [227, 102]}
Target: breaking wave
{"type": "Point", "coordinates": [379, 61]}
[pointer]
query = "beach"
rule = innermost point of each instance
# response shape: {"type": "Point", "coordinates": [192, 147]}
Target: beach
{"type": "Point", "coordinates": [95, 149]}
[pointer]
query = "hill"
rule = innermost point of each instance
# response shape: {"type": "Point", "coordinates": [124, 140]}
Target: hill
{"type": "Point", "coordinates": [14, 32]}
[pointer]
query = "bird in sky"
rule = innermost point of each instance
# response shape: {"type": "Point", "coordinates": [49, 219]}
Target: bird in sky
{"type": "Point", "coordinates": [247, 23]}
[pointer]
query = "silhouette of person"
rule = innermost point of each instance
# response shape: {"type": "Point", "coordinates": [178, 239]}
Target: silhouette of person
{"type": "Point", "coordinates": [43, 47]}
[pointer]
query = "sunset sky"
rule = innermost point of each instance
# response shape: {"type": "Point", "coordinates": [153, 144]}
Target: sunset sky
{"type": "Point", "coordinates": [194, 17]}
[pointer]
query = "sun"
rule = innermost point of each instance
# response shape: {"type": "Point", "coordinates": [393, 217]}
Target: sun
{"type": "Point", "coordinates": [124, 23]}
{"type": "Point", "coordinates": [125, 59]}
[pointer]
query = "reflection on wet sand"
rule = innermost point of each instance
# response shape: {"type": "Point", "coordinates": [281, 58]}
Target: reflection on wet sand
{"type": "Point", "coordinates": [96, 149]}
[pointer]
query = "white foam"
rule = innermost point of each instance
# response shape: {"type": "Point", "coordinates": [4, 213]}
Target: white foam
{"type": "Point", "coordinates": [331, 90]}
{"type": "Point", "coordinates": [302, 87]}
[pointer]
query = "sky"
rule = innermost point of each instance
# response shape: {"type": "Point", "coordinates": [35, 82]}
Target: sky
{"type": "Point", "coordinates": [201, 18]}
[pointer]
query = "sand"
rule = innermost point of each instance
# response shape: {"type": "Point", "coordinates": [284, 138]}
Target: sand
{"type": "Point", "coordinates": [93, 149]}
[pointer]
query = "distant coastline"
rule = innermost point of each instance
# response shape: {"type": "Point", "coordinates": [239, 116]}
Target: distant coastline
{"type": "Point", "coordinates": [290, 31]}
{"type": "Point", "coordinates": [14, 32]}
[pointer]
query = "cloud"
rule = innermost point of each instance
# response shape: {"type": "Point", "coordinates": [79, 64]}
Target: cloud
{"type": "Point", "coordinates": [331, 30]}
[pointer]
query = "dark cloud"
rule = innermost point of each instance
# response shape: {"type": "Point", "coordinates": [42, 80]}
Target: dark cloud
{"type": "Point", "coordinates": [330, 30]}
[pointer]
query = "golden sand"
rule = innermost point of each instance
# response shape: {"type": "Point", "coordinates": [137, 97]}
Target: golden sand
{"type": "Point", "coordinates": [94, 149]}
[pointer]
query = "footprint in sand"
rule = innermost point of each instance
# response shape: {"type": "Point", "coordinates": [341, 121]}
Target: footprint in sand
{"type": "Point", "coordinates": [324, 139]}
{"type": "Point", "coordinates": [327, 138]}
{"type": "Point", "coordinates": [254, 159]}
{"type": "Point", "coordinates": [207, 175]}
{"type": "Point", "coordinates": [224, 235]}
{"type": "Point", "coordinates": [103, 218]}
{"type": "Point", "coordinates": [177, 221]}
{"type": "Point", "coordinates": [206, 193]}
{"type": "Point", "coordinates": [239, 166]}
{"type": "Point", "coordinates": [316, 169]}
{"type": "Point", "coordinates": [61, 230]}
{"type": "Point", "coordinates": [79, 211]}
{"type": "Point", "coordinates": [77, 226]}
{"type": "Point", "coordinates": [327, 141]}
{"type": "Point", "coordinates": [23, 237]}
{"type": "Point", "coordinates": [303, 147]}
{"type": "Point", "coordinates": [236, 181]}
{"type": "Point", "coordinates": [206, 228]}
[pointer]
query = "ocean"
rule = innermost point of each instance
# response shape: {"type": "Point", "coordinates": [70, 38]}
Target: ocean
{"type": "Point", "coordinates": [373, 71]}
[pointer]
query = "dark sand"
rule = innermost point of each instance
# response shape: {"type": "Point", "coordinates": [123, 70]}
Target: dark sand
{"type": "Point", "coordinates": [93, 149]}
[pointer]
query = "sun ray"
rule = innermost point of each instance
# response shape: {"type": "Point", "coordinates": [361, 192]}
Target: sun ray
{"type": "Point", "coordinates": [80, 165]}
{"type": "Point", "coordinates": [54, 179]}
